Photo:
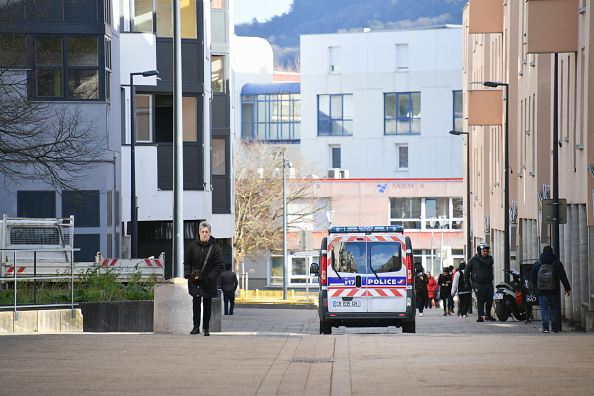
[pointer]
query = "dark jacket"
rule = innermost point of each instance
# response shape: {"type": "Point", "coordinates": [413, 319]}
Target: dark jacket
{"type": "Point", "coordinates": [558, 269]}
{"type": "Point", "coordinates": [421, 281]}
{"type": "Point", "coordinates": [228, 281]}
{"type": "Point", "coordinates": [479, 270]}
{"type": "Point", "coordinates": [445, 291]}
{"type": "Point", "coordinates": [194, 259]}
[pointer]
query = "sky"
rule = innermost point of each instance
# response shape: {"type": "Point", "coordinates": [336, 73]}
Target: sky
{"type": "Point", "coordinates": [246, 10]}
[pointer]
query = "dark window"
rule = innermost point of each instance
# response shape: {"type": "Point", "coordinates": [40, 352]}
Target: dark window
{"type": "Point", "coordinates": [67, 68]}
{"type": "Point", "coordinates": [89, 245]}
{"type": "Point", "coordinates": [336, 157]}
{"type": "Point", "coordinates": [13, 51]}
{"type": "Point", "coordinates": [41, 204]}
{"type": "Point", "coordinates": [193, 172]}
{"type": "Point", "coordinates": [84, 205]}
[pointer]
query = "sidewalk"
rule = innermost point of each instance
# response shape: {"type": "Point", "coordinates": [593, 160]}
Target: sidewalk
{"type": "Point", "coordinates": [279, 352]}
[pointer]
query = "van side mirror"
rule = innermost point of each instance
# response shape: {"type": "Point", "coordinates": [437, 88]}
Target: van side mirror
{"type": "Point", "coordinates": [314, 269]}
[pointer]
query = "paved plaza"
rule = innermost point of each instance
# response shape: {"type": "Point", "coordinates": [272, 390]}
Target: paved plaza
{"type": "Point", "coordinates": [280, 352]}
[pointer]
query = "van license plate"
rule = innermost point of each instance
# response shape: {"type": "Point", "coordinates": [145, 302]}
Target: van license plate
{"type": "Point", "coordinates": [347, 304]}
{"type": "Point", "coordinates": [498, 296]}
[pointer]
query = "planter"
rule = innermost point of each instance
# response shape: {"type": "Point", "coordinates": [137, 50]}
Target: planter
{"type": "Point", "coordinates": [118, 316]}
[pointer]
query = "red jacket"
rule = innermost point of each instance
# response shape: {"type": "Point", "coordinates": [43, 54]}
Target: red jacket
{"type": "Point", "coordinates": [431, 287]}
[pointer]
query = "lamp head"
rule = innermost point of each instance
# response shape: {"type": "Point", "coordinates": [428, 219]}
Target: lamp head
{"type": "Point", "coordinates": [490, 84]}
{"type": "Point", "coordinates": [149, 73]}
{"type": "Point", "coordinates": [457, 133]}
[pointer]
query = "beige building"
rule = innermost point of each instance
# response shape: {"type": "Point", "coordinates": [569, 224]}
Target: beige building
{"type": "Point", "coordinates": [539, 54]}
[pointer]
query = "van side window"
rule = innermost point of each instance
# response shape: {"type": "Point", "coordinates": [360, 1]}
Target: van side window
{"type": "Point", "coordinates": [386, 257]}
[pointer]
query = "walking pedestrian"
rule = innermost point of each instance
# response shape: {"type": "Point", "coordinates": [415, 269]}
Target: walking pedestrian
{"type": "Point", "coordinates": [479, 274]}
{"type": "Point", "coordinates": [549, 296]}
{"type": "Point", "coordinates": [203, 263]}
{"type": "Point", "coordinates": [464, 292]}
{"type": "Point", "coordinates": [431, 286]}
{"type": "Point", "coordinates": [228, 282]}
{"type": "Point", "coordinates": [445, 289]}
{"type": "Point", "coordinates": [421, 282]}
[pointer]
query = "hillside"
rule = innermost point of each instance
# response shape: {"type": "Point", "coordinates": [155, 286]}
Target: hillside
{"type": "Point", "coordinates": [331, 16]}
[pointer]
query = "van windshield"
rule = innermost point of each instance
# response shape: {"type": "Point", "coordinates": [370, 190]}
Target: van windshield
{"type": "Point", "coordinates": [355, 257]}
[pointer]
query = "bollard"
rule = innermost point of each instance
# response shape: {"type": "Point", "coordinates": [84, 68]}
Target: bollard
{"type": "Point", "coordinates": [173, 307]}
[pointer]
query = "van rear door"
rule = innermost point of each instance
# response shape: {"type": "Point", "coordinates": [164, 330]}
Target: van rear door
{"type": "Point", "coordinates": [386, 278]}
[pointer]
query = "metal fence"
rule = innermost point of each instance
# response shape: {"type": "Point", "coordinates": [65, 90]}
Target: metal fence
{"type": "Point", "coordinates": [14, 271]}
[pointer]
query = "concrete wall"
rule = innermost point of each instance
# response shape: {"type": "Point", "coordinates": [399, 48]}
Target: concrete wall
{"type": "Point", "coordinates": [46, 321]}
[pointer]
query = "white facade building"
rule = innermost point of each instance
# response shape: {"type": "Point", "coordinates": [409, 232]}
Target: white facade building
{"type": "Point", "coordinates": [362, 69]}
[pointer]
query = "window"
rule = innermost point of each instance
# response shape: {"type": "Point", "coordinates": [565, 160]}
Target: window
{"type": "Point", "coordinates": [402, 113]}
{"type": "Point", "coordinates": [334, 56]}
{"type": "Point", "coordinates": [406, 212]}
{"type": "Point", "coordinates": [402, 153]}
{"type": "Point", "coordinates": [13, 52]}
{"type": "Point", "coordinates": [401, 56]}
{"type": "Point", "coordinates": [217, 3]}
{"type": "Point", "coordinates": [217, 74]}
{"type": "Point", "coordinates": [458, 104]}
{"type": "Point", "coordinates": [143, 17]}
{"type": "Point", "coordinates": [219, 157]}
{"type": "Point", "coordinates": [419, 213]}
{"type": "Point", "coordinates": [271, 117]}
{"type": "Point", "coordinates": [67, 68]}
{"type": "Point", "coordinates": [84, 205]}
{"type": "Point", "coordinates": [336, 157]}
{"type": "Point", "coordinates": [33, 204]}
{"type": "Point", "coordinates": [335, 115]}
{"type": "Point", "coordinates": [154, 118]}
{"type": "Point", "coordinates": [298, 273]}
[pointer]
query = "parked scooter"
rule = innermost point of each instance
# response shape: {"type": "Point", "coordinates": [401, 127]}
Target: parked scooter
{"type": "Point", "coordinates": [508, 298]}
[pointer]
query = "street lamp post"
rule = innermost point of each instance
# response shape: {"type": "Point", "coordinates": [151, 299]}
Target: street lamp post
{"type": "Point", "coordinates": [432, 224]}
{"type": "Point", "coordinates": [469, 251]}
{"type": "Point", "coordinates": [133, 208]}
{"type": "Point", "coordinates": [442, 221]}
{"type": "Point", "coordinates": [506, 253]}
{"type": "Point", "coordinates": [285, 257]}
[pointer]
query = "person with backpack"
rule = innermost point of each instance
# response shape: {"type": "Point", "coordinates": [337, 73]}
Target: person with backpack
{"type": "Point", "coordinates": [545, 275]}
{"type": "Point", "coordinates": [464, 292]}
{"type": "Point", "coordinates": [479, 275]}
{"type": "Point", "coordinates": [421, 281]}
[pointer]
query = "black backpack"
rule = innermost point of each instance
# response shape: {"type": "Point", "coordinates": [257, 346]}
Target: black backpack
{"type": "Point", "coordinates": [546, 278]}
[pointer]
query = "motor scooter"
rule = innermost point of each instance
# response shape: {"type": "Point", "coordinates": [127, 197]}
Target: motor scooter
{"type": "Point", "coordinates": [508, 298]}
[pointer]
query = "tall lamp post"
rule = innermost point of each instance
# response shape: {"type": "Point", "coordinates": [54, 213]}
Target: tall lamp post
{"type": "Point", "coordinates": [285, 257]}
{"type": "Point", "coordinates": [506, 253]}
{"type": "Point", "coordinates": [469, 250]}
{"type": "Point", "coordinates": [133, 208]}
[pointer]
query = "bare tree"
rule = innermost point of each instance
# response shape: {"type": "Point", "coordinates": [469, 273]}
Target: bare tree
{"type": "Point", "coordinates": [40, 140]}
{"type": "Point", "coordinates": [259, 199]}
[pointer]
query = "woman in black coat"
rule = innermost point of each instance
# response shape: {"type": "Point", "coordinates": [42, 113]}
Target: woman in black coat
{"type": "Point", "coordinates": [203, 263]}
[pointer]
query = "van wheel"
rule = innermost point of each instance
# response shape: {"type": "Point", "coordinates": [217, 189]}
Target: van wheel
{"type": "Point", "coordinates": [409, 327]}
{"type": "Point", "coordinates": [325, 328]}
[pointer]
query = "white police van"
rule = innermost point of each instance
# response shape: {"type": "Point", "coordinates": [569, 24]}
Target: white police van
{"type": "Point", "coordinates": [366, 278]}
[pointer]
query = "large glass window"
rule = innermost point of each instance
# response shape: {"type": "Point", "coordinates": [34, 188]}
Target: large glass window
{"type": "Point", "coordinates": [271, 117]}
{"type": "Point", "coordinates": [67, 67]}
{"type": "Point", "coordinates": [84, 205]}
{"type": "Point", "coordinates": [458, 109]}
{"type": "Point", "coordinates": [298, 273]}
{"type": "Point", "coordinates": [154, 118]}
{"type": "Point", "coordinates": [335, 115]}
{"type": "Point", "coordinates": [143, 17]}
{"type": "Point", "coordinates": [427, 213]}
{"type": "Point", "coordinates": [402, 113]}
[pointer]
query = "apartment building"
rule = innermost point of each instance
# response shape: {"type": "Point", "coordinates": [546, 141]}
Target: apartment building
{"type": "Point", "coordinates": [87, 55]}
{"type": "Point", "coordinates": [534, 56]}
